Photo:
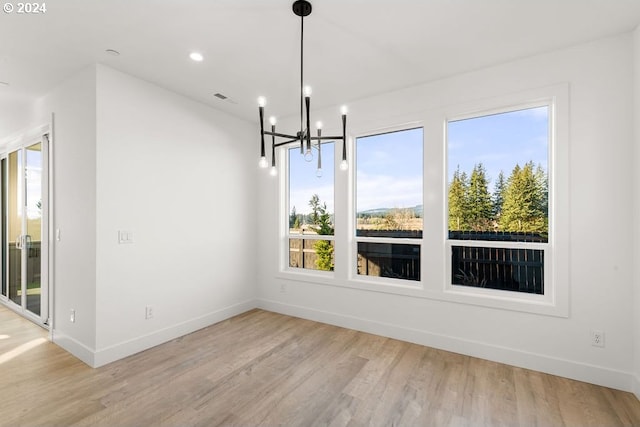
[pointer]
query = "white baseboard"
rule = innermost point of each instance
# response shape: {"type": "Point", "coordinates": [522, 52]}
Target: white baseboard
{"type": "Point", "coordinates": [636, 386]}
{"type": "Point", "coordinates": [565, 368]}
{"type": "Point", "coordinates": [79, 350]}
{"type": "Point", "coordinates": [103, 356]}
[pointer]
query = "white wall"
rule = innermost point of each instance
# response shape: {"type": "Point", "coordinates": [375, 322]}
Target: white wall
{"type": "Point", "coordinates": [180, 176]}
{"type": "Point", "coordinates": [15, 116]}
{"type": "Point", "coordinates": [129, 155]}
{"type": "Point", "coordinates": [601, 270]}
{"type": "Point", "coordinates": [636, 199]}
{"type": "Point", "coordinates": [74, 156]}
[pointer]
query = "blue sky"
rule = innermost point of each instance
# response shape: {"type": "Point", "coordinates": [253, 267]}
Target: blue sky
{"type": "Point", "coordinates": [389, 170]}
{"type": "Point", "coordinates": [498, 142]}
{"type": "Point", "coordinates": [389, 166]}
{"type": "Point", "coordinates": [303, 182]}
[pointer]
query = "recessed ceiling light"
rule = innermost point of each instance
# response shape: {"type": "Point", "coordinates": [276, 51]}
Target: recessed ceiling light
{"type": "Point", "coordinates": [112, 52]}
{"type": "Point", "coordinates": [196, 56]}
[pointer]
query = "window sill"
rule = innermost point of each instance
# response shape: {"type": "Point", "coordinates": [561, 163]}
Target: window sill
{"type": "Point", "coordinates": [494, 299]}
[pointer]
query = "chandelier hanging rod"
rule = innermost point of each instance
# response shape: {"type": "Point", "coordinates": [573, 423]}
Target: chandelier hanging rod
{"type": "Point", "coordinates": [300, 8]}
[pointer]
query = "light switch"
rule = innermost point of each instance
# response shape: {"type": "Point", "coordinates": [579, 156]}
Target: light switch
{"type": "Point", "coordinates": [125, 237]}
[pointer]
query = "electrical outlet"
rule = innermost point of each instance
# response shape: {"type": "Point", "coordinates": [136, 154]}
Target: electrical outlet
{"type": "Point", "coordinates": [148, 313]}
{"type": "Point", "coordinates": [597, 338]}
{"type": "Point", "coordinates": [72, 316]}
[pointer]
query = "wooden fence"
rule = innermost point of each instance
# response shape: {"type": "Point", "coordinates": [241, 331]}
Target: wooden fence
{"type": "Point", "coordinates": [400, 261]}
{"type": "Point", "coordinates": [520, 270]}
{"type": "Point", "coordinates": [500, 236]}
{"type": "Point", "coordinates": [302, 253]}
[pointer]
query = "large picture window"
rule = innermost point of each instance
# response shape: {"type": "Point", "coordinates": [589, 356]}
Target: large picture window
{"type": "Point", "coordinates": [498, 199]}
{"type": "Point", "coordinates": [311, 210]}
{"type": "Point", "coordinates": [469, 204]}
{"type": "Point", "coordinates": [389, 217]}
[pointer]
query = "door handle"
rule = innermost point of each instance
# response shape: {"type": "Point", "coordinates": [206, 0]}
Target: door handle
{"type": "Point", "coordinates": [19, 242]}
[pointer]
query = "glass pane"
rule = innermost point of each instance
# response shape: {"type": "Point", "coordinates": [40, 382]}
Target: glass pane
{"type": "Point", "coordinates": [519, 270]}
{"type": "Point", "coordinates": [498, 173]}
{"type": "Point", "coordinates": [34, 225]}
{"type": "Point", "coordinates": [311, 254]}
{"type": "Point", "coordinates": [15, 202]}
{"type": "Point", "coordinates": [310, 192]}
{"type": "Point", "coordinates": [389, 184]}
{"type": "Point", "coordinates": [398, 261]}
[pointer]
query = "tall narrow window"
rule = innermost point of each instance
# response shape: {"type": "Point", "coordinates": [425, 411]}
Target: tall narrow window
{"type": "Point", "coordinates": [311, 209]}
{"type": "Point", "coordinates": [389, 220]}
{"type": "Point", "coordinates": [498, 199]}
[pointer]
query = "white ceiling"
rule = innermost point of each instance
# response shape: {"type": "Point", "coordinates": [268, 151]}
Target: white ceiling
{"type": "Point", "coordinates": [353, 48]}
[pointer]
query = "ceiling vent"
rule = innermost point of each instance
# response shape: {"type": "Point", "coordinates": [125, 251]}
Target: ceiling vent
{"type": "Point", "coordinates": [220, 96]}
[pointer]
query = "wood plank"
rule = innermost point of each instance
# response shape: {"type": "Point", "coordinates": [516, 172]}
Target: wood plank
{"type": "Point", "coordinates": [263, 368]}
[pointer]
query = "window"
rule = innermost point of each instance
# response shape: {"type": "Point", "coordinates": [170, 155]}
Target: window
{"type": "Point", "coordinates": [470, 206]}
{"type": "Point", "coordinates": [311, 210]}
{"type": "Point", "coordinates": [389, 217]}
{"type": "Point", "coordinates": [498, 199]}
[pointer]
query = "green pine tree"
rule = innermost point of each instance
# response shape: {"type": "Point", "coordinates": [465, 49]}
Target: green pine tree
{"type": "Point", "coordinates": [498, 195]}
{"type": "Point", "coordinates": [458, 203]}
{"type": "Point", "coordinates": [523, 209]}
{"type": "Point", "coordinates": [479, 200]}
{"type": "Point", "coordinates": [293, 217]}
{"type": "Point", "coordinates": [314, 204]}
{"type": "Point", "coordinates": [321, 219]}
{"type": "Point", "coordinates": [324, 251]}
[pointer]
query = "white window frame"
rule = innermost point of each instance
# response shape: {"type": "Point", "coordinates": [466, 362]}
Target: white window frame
{"type": "Point", "coordinates": [300, 272]}
{"type": "Point", "coordinates": [435, 269]}
{"type": "Point", "coordinates": [363, 279]}
{"type": "Point", "coordinates": [555, 298]}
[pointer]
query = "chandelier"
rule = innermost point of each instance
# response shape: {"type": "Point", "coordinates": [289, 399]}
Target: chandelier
{"type": "Point", "coordinates": [307, 142]}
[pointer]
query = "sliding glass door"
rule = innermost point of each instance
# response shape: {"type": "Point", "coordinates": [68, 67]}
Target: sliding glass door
{"type": "Point", "coordinates": [24, 186]}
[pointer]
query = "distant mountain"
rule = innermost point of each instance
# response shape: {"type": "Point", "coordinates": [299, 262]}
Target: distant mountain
{"type": "Point", "coordinates": [380, 212]}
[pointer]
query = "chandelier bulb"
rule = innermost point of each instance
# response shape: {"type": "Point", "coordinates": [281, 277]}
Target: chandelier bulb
{"type": "Point", "coordinates": [273, 120]}
{"type": "Point", "coordinates": [344, 165]}
{"type": "Point", "coordinates": [262, 101]}
{"type": "Point", "coordinates": [319, 125]}
{"type": "Point", "coordinates": [344, 110]}
{"type": "Point", "coordinates": [308, 156]}
{"type": "Point", "coordinates": [307, 91]}
{"type": "Point", "coordinates": [319, 173]}
{"type": "Point", "coordinates": [273, 171]}
{"type": "Point", "coordinates": [263, 162]}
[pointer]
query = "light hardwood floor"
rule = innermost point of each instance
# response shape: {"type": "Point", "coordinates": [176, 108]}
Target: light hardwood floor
{"type": "Point", "coordinates": [266, 369]}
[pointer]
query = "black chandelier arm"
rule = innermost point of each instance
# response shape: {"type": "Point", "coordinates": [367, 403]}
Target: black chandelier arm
{"type": "Point", "coordinates": [282, 135]}
{"type": "Point", "coordinates": [307, 102]}
{"type": "Point", "coordinates": [273, 138]}
{"type": "Point", "coordinates": [273, 155]}
{"type": "Point", "coordinates": [344, 137]}
{"type": "Point", "coordinates": [319, 151]}
{"type": "Point", "coordinates": [295, 138]}
{"type": "Point", "coordinates": [325, 138]}
{"type": "Point", "coordinates": [280, 144]}
{"type": "Point", "coordinates": [313, 138]}
{"type": "Point", "coordinates": [261, 112]}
